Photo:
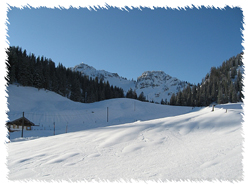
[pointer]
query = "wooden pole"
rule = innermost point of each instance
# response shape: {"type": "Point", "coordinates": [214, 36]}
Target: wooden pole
{"type": "Point", "coordinates": [22, 124]}
{"type": "Point", "coordinates": [107, 114]}
{"type": "Point", "coordinates": [67, 127]}
{"type": "Point", "coordinates": [54, 128]}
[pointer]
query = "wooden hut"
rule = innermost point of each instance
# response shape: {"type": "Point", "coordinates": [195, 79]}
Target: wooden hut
{"type": "Point", "coordinates": [16, 125]}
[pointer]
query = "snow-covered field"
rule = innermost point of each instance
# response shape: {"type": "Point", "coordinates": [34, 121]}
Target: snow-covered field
{"type": "Point", "coordinates": [134, 140]}
{"type": "Point", "coordinates": [44, 108]}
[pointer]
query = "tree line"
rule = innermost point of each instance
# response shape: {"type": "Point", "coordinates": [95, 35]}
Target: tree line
{"type": "Point", "coordinates": [41, 72]}
{"type": "Point", "coordinates": [222, 85]}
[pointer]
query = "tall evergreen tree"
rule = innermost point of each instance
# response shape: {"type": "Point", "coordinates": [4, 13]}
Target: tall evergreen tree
{"type": "Point", "coordinates": [239, 86]}
{"type": "Point", "coordinates": [129, 93]}
{"type": "Point", "coordinates": [220, 98]}
{"type": "Point", "coordinates": [75, 90]}
{"type": "Point", "coordinates": [142, 97]}
{"type": "Point", "coordinates": [233, 94]}
{"type": "Point", "coordinates": [172, 99]}
{"type": "Point", "coordinates": [107, 90]}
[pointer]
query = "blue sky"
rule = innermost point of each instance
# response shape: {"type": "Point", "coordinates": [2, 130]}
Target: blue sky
{"type": "Point", "coordinates": [182, 43]}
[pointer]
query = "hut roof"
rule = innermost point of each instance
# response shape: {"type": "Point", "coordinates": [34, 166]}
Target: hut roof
{"type": "Point", "coordinates": [19, 122]}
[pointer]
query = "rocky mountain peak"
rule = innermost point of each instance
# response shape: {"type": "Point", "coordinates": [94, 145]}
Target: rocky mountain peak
{"type": "Point", "coordinates": [156, 85]}
{"type": "Point", "coordinates": [83, 66]}
{"type": "Point", "coordinates": [154, 76]}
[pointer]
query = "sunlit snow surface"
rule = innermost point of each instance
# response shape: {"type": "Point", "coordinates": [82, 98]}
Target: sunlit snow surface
{"type": "Point", "coordinates": [140, 141]}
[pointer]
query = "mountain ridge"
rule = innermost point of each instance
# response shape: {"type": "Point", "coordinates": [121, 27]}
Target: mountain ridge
{"type": "Point", "coordinates": [155, 85]}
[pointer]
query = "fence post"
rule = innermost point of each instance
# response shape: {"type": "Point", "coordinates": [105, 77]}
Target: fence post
{"type": "Point", "coordinates": [22, 125]}
{"type": "Point", "coordinates": [107, 114]}
{"type": "Point", "coordinates": [54, 128]}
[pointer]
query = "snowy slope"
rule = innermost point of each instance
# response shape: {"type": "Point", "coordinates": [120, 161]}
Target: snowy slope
{"type": "Point", "coordinates": [156, 85]}
{"type": "Point", "coordinates": [45, 107]}
{"type": "Point", "coordinates": [154, 142]}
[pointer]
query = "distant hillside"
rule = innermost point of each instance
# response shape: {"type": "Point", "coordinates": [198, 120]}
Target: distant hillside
{"type": "Point", "coordinates": [222, 85]}
{"type": "Point", "coordinates": [40, 72]}
{"type": "Point", "coordinates": [112, 78]}
{"type": "Point", "coordinates": [158, 86]}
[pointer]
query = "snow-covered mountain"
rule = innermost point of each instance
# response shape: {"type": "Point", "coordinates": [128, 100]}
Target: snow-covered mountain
{"type": "Point", "coordinates": [156, 85]}
{"type": "Point", "coordinates": [113, 78]}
